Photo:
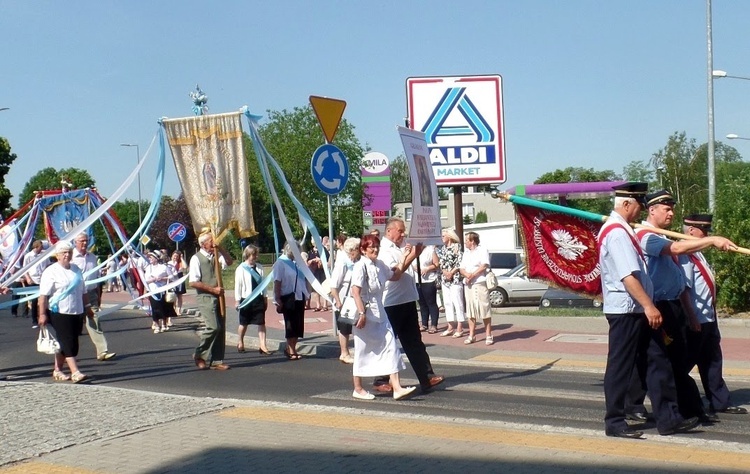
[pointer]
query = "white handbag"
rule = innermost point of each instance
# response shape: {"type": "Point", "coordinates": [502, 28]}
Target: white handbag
{"type": "Point", "coordinates": [46, 342]}
{"type": "Point", "coordinates": [491, 280]}
{"type": "Point", "coordinates": [348, 314]}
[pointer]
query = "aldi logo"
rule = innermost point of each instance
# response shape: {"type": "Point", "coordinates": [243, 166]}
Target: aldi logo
{"type": "Point", "coordinates": [462, 118]}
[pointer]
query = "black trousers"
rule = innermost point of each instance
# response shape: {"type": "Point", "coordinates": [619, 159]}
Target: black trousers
{"type": "Point", "coordinates": [704, 350]}
{"type": "Point", "coordinates": [630, 335]}
{"type": "Point", "coordinates": [675, 327]}
{"type": "Point", "coordinates": [428, 307]}
{"type": "Point", "coordinates": [405, 323]}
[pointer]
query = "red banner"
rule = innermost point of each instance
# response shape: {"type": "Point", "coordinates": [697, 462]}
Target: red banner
{"type": "Point", "coordinates": [561, 249]}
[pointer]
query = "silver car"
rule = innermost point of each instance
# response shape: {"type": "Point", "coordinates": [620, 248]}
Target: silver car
{"type": "Point", "coordinates": [515, 287]}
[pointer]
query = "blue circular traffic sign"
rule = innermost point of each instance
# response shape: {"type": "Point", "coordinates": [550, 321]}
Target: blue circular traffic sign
{"type": "Point", "coordinates": [330, 169]}
{"type": "Point", "coordinates": [177, 232]}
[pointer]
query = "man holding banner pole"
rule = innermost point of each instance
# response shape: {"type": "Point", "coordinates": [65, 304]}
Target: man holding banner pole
{"type": "Point", "coordinates": [204, 275]}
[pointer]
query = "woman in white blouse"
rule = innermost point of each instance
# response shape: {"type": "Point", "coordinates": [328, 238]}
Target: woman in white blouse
{"type": "Point", "coordinates": [375, 350]}
{"type": "Point", "coordinates": [157, 275]}
{"type": "Point", "coordinates": [247, 278]}
{"type": "Point", "coordinates": [474, 265]}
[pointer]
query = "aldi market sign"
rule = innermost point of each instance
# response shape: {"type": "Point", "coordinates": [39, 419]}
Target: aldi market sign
{"type": "Point", "coordinates": [462, 118]}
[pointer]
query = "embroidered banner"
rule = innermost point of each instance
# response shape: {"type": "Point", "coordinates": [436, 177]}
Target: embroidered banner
{"type": "Point", "coordinates": [561, 249]}
{"type": "Point", "coordinates": [65, 211]}
{"type": "Point", "coordinates": [211, 166]}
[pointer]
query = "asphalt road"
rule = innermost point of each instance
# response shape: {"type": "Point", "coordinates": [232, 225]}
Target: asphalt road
{"type": "Point", "coordinates": [162, 363]}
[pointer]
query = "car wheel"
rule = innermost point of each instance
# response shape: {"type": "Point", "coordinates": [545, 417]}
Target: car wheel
{"type": "Point", "coordinates": [498, 298]}
{"type": "Point", "coordinates": [545, 303]}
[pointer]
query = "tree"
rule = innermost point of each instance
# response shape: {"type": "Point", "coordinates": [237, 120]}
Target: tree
{"type": "Point", "coordinates": [582, 175]}
{"type": "Point", "coordinates": [170, 211]}
{"type": "Point", "coordinates": [6, 159]}
{"type": "Point", "coordinates": [49, 179]}
{"type": "Point", "coordinates": [291, 137]}
{"type": "Point", "coordinates": [639, 171]}
{"type": "Point", "coordinates": [481, 218]}
{"type": "Point", "coordinates": [400, 180]}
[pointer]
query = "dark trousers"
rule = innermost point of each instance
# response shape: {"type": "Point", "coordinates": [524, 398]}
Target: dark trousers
{"type": "Point", "coordinates": [704, 350]}
{"type": "Point", "coordinates": [405, 323]}
{"type": "Point", "coordinates": [15, 297]}
{"type": "Point", "coordinates": [629, 335]}
{"type": "Point", "coordinates": [674, 325]}
{"type": "Point", "coordinates": [34, 311]}
{"type": "Point", "coordinates": [428, 307]}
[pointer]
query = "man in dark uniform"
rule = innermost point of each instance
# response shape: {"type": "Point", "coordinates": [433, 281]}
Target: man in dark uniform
{"type": "Point", "coordinates": [671, 294]}
{"type": "Point", "coordinates": [634, 322]}
{"type": "Point", "coordinates": [704, 347]}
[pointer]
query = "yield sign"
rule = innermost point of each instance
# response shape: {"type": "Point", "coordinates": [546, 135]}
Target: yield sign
{"type": "Point", "coordinates": [329, 113]}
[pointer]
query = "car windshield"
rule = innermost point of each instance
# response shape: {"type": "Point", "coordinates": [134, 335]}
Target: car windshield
{"type": "Point", "coordinates": [514, 270]}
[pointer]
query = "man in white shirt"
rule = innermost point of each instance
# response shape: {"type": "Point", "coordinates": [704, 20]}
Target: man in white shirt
{"type": "Point", "coordinates": [86, 261]}
{"type": "Point", "coordinates": [399, 299]}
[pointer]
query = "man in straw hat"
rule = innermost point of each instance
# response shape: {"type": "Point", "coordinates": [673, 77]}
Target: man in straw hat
{"type": "Point", "coordinates": [704, 347]}
{"type": "Point", "coordinates": [203, 277]}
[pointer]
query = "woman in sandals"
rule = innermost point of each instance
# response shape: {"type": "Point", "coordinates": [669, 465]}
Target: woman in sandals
{"type": "Point", "coordinates": [247, 278]}
{"type": "Point", "coordinates": [341, 287]}
{"type": "Point", "coordinates": [474, 265]}
{"type": "Point", "coordinates": [63, 303]}
{"type": "Point", "coordinates": [449, 257]}
{"type": "Point", "coordinates": [375, 350]}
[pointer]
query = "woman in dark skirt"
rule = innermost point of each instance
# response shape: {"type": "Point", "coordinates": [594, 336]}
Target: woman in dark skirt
{"type": "Point", "coordinates": [63, 303]}
{"type": "Point", "coordinates": [247, 278]}
{"type": "Point", "coordinates": [179, 267]}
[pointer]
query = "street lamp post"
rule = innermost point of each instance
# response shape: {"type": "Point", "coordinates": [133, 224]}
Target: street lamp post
{"type": "Point", "coordinates": [734, 136]}
{"type": "Point", "coordinates": [711, 130]}
{"type": "Point", "coordinates": [719, 74]}
{"type": "Point", "coordinates": [138, 161]}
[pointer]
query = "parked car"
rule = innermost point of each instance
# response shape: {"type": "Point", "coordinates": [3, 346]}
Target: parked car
{"type": "Point", "coordinates": [515, 287]}
{"type": "Point", "coordinates": [555, 298]}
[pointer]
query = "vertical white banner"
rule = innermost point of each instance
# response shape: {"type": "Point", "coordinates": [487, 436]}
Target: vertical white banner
{"type": "Point", "coordinates": [425, 218]}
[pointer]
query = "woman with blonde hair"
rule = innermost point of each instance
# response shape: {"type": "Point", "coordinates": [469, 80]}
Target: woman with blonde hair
{"type": "Point", "coordinates": [449, 258]}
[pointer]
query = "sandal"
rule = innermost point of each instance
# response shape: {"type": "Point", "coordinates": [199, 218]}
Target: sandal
{"type": "Point", "coordinates": [446, 333]}
{"type": "Point", "coordinates": [458, 334]}
{"type": "Point", "coordinates": [79, 377]}
{"type": "Point", "coordinates": [432, 330]}
{"type": "Point", "coordinates": [59, 376]}
{"type": "Point", "coordinates": [489, 340]}
{"type": "Point", "coordinates": [422, 328]}
{"type": "Point", "coordinates": [470, 340]}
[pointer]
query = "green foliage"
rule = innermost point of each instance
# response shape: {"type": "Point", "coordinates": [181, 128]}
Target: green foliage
{"type": "Point", "coordinates": [481, 218]}
{"type": "Point", "coordinates": [170, 211]}
{"type": "Point", "coordinates": [582, 175]}
{"type": "Point", "coordinates": [292, 137]}
{"type": "Point", "coordinates": [468, 220]}
{"type": "Point", "coordinates": [732, 220]}
{"type": "Point", "coordinates": [641, 172]}
{"type": "Point", "coordinates": [400, 180]}
{"type": "Point", "coordinates": [6, 159]}
{"type": "Point", "coordinates": [50, 179]}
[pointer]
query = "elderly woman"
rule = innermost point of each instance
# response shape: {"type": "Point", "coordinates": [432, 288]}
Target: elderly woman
{"type": "Point", "coordinates": [158, 274]}
{"type": "Point", "coordinates": [341, 288]}
{"type": "Point", "coordinates": [449, 256]}
{"type": "Point", "coordinates": [62, 303]}
{"type": "Point", "coordinates": [375, 350]}
{"type": "Point", "coordinates": [426, 268]}
{"type": "Point", "coordinates": [247, 278]}
{"type": "Point", "coordinates": [474, 265]}
{"type": "Point", "coordinates": [290, 292]}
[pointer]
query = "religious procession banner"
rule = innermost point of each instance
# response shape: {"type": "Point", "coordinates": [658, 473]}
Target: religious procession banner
{"type": "Point", "coordinates": [561, 249]}
{"type": "Point", "coordinates": [211, 166]}
{"type": "Point", "coordinates": [63, 211]}
{"type": "Point", "coordinates": [425, 218]}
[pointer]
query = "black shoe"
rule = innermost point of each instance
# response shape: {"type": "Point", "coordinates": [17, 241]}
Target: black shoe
{"type": "Point", "coordinates": [641, 417]}
{"type": "Point", "coordinates": [735, 410]}
{"type": "Point", "coordinates": [626, 433]}
{"type": "Point", "coordinates": [681, 427]}
{"type": "Point", "coordinates": [709, 418]}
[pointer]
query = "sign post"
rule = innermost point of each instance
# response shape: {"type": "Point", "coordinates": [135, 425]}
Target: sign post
{"type": "Point", "coordinates": [330, 169]}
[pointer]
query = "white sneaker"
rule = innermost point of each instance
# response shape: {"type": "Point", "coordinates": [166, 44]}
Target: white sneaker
{"type": "Point", "coordinates": [156, 331]}
{"type": "Point", "coordinates": [162, 329]}
{"type": "Point", "coordinates": [365, 396]}
{"type": "Point", "coordinates": [403, 393]}
{"type": "Point", "coordinates": [154, 326]}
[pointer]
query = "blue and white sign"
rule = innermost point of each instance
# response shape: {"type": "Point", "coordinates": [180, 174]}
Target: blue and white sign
{"type": "Point", "coordinates": [330, 170]}
{"type": "Point", "coordinates": [177, 232]}
{"type": "Point", "coordinates": [462, 119]}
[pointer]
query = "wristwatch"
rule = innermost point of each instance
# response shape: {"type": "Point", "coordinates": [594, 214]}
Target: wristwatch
{"type": "Point", "coordinates": [361, 313]}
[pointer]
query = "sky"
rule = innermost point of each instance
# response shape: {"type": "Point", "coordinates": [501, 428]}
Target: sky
{"type": "Point", "coordinates": [592, 84]}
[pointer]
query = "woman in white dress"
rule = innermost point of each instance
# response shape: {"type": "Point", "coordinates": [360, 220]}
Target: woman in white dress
{"type": "Point", "coordinates": [375, 350]}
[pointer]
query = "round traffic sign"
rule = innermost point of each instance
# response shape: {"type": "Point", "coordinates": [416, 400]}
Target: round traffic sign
{"type": "Point", "coordinates": [330, 169]}
{"type": "Point", "coordinates": [177, 232]}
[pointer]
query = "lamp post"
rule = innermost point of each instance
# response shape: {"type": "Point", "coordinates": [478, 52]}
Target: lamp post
{"type": "Point", "coordinates": [711, 130]}
{"type": "Point", "coordinates": [734, 136]}
{"type": "Point", "coordinates": [719, 74]}
{"type": "Point", "coordinates": [138, 161]}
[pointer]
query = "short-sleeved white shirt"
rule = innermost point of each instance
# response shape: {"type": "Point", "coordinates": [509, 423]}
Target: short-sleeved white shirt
{"type": "Point", "coordinates": [400, 291]}
{"type": "Point", "coordinates": [56, 279]}
{"type": "Point", "coordinates": [473, 259]}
